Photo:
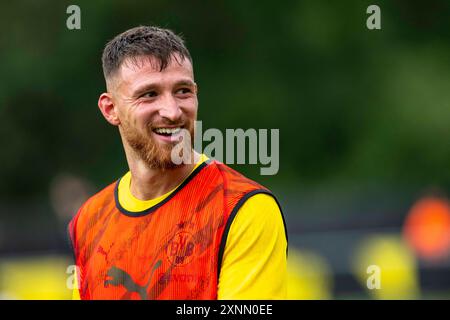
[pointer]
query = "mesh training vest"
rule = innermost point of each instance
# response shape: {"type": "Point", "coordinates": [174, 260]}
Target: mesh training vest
{"type": "Point", "coordinates": [173, 250]}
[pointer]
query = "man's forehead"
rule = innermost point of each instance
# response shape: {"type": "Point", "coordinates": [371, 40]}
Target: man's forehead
{"type": "Point", "coordinates": [149, 66]}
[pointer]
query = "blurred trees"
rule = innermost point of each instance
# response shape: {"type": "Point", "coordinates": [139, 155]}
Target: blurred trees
{"type": "Point", "coordinates": [352, 105]}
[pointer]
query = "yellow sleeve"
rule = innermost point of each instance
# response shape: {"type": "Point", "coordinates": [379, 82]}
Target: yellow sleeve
{"type": "Point", "coordinates": [75, 292]}
{"type": "Point", "coordinates": [254, 264]}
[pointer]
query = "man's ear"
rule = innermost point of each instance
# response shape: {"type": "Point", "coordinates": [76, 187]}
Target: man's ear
{"type": "Point", "coordinates": [106, 106]}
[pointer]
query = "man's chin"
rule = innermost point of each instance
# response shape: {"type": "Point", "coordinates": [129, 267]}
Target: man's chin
{"type": "Point", "coordinates": [156, 153]}
{"type": "Point", "coordinates": [161, 161]}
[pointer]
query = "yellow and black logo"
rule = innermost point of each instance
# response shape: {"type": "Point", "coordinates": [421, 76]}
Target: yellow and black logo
{"type": "Point", "coordinates": [180, 249]}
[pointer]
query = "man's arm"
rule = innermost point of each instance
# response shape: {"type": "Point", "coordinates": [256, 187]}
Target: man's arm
{"type": "Point", "coordinates": [254, 261]}
{"type": "Point", "coordinates": [75, 290]}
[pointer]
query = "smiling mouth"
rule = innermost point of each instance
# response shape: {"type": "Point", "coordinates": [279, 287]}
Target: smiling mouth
{"type": "Point", "coordinates": [167, 132]}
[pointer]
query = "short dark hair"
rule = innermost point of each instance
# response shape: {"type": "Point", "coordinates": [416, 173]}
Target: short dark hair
{"type": "Point", "coordinates": [142, 41]}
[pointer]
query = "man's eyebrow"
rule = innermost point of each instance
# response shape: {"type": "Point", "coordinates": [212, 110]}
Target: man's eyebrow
{"type": "Point", "coordinates": [184, 83]}
{"type": "Point", "coordinates": [144, 88]}
{"type": "Point", "coordinates": [152, 86]}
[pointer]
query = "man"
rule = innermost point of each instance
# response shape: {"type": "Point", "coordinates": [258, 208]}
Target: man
{"type": "Point", "coordinates": [196, 230]}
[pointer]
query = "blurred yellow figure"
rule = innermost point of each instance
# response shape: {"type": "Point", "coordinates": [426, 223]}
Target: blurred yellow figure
{"type": "Point", "coordinates": [34, 278]}
{"type": "Point", "coordinates": [387, 268]}
{"type": "Point", "coordinates": [309, 276]}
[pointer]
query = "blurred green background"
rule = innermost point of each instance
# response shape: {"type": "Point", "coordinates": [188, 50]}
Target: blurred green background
{"type": "Point", "coordinates": [363, 116]}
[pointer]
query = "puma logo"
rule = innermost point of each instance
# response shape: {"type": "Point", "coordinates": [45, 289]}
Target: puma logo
{"type": "Point", "coordinates": [121, 277]}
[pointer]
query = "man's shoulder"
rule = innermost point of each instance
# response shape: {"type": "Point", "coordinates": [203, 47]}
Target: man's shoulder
{"type": "Point", "coordinates": [235, 178]}
{"type": "Point", "coordinates": [100, 199]}
{"type": "Point", "coordinates": [92, 207]}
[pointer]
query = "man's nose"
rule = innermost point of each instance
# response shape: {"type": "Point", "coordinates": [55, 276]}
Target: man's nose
{"type": "Point", "coordinates": [170, 108]}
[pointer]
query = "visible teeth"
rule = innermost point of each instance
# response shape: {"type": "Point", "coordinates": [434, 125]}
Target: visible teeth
{"type": "Point", "coordinates": [167, 130]}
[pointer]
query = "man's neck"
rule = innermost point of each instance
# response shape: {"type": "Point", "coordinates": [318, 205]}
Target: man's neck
{"type": "Point", "coordinates": [148, 183]}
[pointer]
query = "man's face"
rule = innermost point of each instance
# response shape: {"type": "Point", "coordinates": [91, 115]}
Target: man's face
{"type": "Point", "coordinates": [152, 105]}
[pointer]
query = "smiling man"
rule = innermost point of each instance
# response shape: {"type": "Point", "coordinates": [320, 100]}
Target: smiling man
{"type": "Point", "coordinates": [166, 230]}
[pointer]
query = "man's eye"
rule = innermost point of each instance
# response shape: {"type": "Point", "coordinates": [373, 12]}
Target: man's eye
{"type": "Point", "coordinates": [184, 90]}
{"type": "Point", "coordinates": [150, 94]}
